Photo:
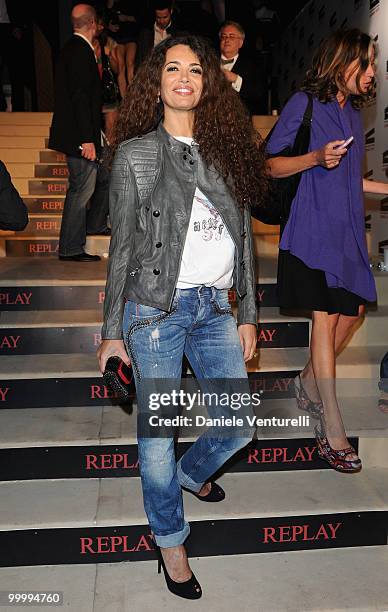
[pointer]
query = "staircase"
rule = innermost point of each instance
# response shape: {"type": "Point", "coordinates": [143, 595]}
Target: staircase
{"type": "Point", "coordinates": [71, 515]}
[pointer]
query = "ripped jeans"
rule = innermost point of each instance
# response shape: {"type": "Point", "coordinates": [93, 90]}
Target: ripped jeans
{"type": "Point", "coordinates": [201, 326]}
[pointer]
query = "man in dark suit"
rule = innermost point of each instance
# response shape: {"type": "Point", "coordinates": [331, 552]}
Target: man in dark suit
{"type": "Point", "coordinates": [164, 25]}
{"type": "Point", "coordinates": [240, 71]}
{"type": "Point", "coordinates": [76, 131]}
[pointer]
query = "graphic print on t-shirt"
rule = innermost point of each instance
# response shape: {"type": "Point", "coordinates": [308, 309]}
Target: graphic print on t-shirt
{"type": "Point", "coordinates": [212, 227]}
{"type": "Point", "coordinates": [208, 254]}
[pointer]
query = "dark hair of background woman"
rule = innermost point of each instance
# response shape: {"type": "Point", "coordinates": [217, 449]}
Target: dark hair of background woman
{"type": "Point", "coordinates": [222, 127]}
{"type": "Point", "coordinates": [326, 75]}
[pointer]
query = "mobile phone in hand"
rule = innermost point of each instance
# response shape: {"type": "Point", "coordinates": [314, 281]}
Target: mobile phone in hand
{"type": "Point", "coordinates": [344, 144]}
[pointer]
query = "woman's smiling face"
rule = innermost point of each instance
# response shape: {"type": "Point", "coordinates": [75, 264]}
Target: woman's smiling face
{"type": "Point", "coordinates": [181, 82]}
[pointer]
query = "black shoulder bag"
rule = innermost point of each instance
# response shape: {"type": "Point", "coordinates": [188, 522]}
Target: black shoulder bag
{"type": "Point", "coordinates": [110, 89]}
{"type": "Point", "coordinates": [276, 208]}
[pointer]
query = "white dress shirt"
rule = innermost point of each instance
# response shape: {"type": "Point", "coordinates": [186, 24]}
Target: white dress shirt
{"type": "Point", "coordinates": [160, 35]}
{"type": "Point", "coordinates": [238, 82]}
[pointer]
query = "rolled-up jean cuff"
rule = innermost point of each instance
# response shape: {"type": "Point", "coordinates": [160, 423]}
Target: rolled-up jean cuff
{"type": "Point", "coordinates": [186, 481]}
{"type": "Point", "coordinates": [173, 539]}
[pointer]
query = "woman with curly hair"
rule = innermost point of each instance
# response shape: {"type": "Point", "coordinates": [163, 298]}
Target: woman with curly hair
{"type": "Point", "coordinates": [181, 187]}
{"type": "Point", "coordinates": [323, 259]}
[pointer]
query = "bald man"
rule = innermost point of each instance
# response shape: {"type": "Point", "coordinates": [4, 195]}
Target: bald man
{"type": "Point", "coordinates": [76, 131]}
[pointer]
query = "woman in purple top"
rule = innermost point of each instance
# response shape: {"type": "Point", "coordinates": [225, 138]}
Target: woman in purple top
{"type": "Point", "coordinates": [323, 259]}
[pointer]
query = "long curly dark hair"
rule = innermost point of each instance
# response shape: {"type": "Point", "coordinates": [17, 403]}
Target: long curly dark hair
{"type": "Point", "coordinates": [326, 75]}
{"type": "Point", "coordinates": [222, 126]}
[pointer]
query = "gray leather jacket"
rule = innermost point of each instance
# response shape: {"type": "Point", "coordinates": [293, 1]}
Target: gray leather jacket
{"type": "Point", "coordinates": [150, 212]}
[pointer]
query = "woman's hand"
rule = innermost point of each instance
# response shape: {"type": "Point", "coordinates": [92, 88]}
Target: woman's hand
{"type": "Point", "coordinates": [248, 339]}
{"type": "Point", "coordinates": [330, 155]}
{"type": "Point", "coordinates": [110, 348]}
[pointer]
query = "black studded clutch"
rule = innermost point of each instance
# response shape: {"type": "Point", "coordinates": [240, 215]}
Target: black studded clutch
{"type": "Point", "coordinates": [118, 377]}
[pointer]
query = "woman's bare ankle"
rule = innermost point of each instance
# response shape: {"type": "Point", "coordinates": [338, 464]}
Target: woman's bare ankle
{"type": "Point", "coordinates": [176, 562]}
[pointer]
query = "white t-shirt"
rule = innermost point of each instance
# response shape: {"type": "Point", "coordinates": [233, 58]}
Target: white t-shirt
{"type": "Point", "coordinates": [208, 254]}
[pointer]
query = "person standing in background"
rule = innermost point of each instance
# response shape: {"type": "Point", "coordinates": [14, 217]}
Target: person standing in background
{"type": "Point", "coordinates": [323, 259]}
{"type": "Point", "coordinates": [239, 71]}
{"type": "Point", "coordinates": [163, 27]}
{"type": "Point", "coordinates": [76, 131]}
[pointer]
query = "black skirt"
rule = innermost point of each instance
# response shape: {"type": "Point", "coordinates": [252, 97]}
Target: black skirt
{"type": "Point", "coordinates": [302, 288]}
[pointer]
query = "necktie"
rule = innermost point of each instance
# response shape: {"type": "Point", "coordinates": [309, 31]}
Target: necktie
{"type": "Point", "coordinates": [225, 62]}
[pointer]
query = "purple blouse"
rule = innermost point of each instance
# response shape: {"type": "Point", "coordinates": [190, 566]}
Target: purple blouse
{"type": "Point", "coordinates": [326, 224]}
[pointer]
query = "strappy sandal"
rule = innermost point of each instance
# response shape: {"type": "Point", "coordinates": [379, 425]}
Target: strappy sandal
{"type": "Point", "coordinates": [336, 458]}
{"type": "Point", "coordinates": [314, 409]}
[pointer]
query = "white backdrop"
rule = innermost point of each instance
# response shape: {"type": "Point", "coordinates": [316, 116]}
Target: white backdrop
{"type": "Point", "coordinates": [292, 57]}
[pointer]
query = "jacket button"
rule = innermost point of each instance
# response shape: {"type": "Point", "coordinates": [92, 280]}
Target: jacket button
{"type": "Point", "coordinates": [158, 245]}
{"type": "Point", "coordinates": [156, 271]}
{"type": "Point", "coordinates": [156, 213]}
{"type": "Point", "coordinates": [185, 157]}
{"type": "Point", "coordinates": [191, 162]}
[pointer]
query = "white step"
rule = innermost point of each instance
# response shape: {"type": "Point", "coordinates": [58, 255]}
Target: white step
{"type": "Point", "coordinates": [24, 130]}
{"type": "Point", "coordinates": [25, 118]}
{"type": "Point", "coordinates": [102, 425]}
{"type": "Point", "coordinates": [118, 501]}
{"type": "Point", "coordinates": [21, 170]}
{"type": "Point", "coordinates": [19, 155]}
{"type": "Point", "coordinates": [352, 579]}
{"type": "Point", "coordinates": [355, 362]}
{"type": "Point", "coordinates": [23, 142]}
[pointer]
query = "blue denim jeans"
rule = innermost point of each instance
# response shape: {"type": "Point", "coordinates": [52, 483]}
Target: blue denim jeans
{"type": "Point", "coordinates": [383, 384]}
{"type": "Point", "coordinates": [202, 327]}
{"type": "Point", "coordinates": [85, 177]}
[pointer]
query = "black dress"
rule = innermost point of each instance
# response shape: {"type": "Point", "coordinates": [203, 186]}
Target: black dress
{"type": "Point", "coordinates": [304, 288]}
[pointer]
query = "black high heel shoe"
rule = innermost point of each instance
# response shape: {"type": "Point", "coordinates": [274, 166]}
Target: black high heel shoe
{"type": "Point", "coordinates": [190, 589]}
{"type": "Point", "coordinates": [215, 494]}
{"type": "Point", "coordinates": [314, 409]}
